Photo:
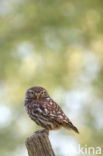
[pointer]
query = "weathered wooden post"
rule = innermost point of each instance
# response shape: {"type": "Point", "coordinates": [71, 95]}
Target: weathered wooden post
{"type": "Point", "coordinates": [39, 144]}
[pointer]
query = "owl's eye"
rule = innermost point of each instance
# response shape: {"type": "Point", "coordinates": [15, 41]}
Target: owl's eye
{"type": "Point", "coordinates": [43, 94]}
{"type": "Point", "coordinates": [31, 93]}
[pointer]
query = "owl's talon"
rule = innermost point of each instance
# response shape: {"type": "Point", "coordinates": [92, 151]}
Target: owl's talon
{"type": "Point", "coordinates": [42, 131]}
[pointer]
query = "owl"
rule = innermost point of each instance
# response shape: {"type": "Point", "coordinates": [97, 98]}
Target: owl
{"type": "Point", "coordinates": [42, 109]}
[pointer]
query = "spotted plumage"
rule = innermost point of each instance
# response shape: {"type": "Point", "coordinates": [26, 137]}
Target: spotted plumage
{"type": "Point", "coordinates": [44, 111]}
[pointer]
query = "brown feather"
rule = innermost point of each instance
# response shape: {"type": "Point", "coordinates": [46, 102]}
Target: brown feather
{"type": "Point", "coordinates": [69, 125]}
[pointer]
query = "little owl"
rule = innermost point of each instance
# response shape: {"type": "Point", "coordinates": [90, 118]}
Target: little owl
{"type": "Point", "coordinates": [44, 111]}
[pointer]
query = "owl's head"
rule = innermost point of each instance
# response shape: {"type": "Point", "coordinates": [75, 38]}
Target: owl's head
{"type": "Point", "coordinates": [36, 93]}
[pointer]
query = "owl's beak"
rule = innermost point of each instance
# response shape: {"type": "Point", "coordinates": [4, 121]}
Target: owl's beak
{"type": "Point", "coordinates": [38, 96]}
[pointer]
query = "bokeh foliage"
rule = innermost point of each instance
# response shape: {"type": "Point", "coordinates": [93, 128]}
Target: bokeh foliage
{"type": "Point", "coordinates": [56, 44]}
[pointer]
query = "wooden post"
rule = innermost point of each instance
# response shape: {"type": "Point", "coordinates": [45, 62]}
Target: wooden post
{"type": "Point", "coordinates": [39, 144]}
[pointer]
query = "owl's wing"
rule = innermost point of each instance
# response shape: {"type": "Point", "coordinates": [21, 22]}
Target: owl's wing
{"type": "Point", "coordinates": [53, 110]}
{"type": "Point", "coordinates": [55, 113]}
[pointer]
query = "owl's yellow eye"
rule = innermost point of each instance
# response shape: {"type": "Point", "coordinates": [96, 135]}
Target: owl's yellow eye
{"type": "Point", "coordinates": [31, 93]}
{"type": "Point", "coordinates": [43, 94]}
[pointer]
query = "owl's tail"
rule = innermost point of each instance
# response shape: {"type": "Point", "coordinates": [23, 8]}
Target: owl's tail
{"type": "Point", "coordinates": [69, 125]}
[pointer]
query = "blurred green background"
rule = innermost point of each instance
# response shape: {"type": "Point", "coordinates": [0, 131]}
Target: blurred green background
{"type": "Point", "coordinates": [58, 45]}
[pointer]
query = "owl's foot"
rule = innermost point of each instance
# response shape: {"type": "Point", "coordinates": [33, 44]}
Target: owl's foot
{"type": "Point", "coordinates": [43, 131]}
